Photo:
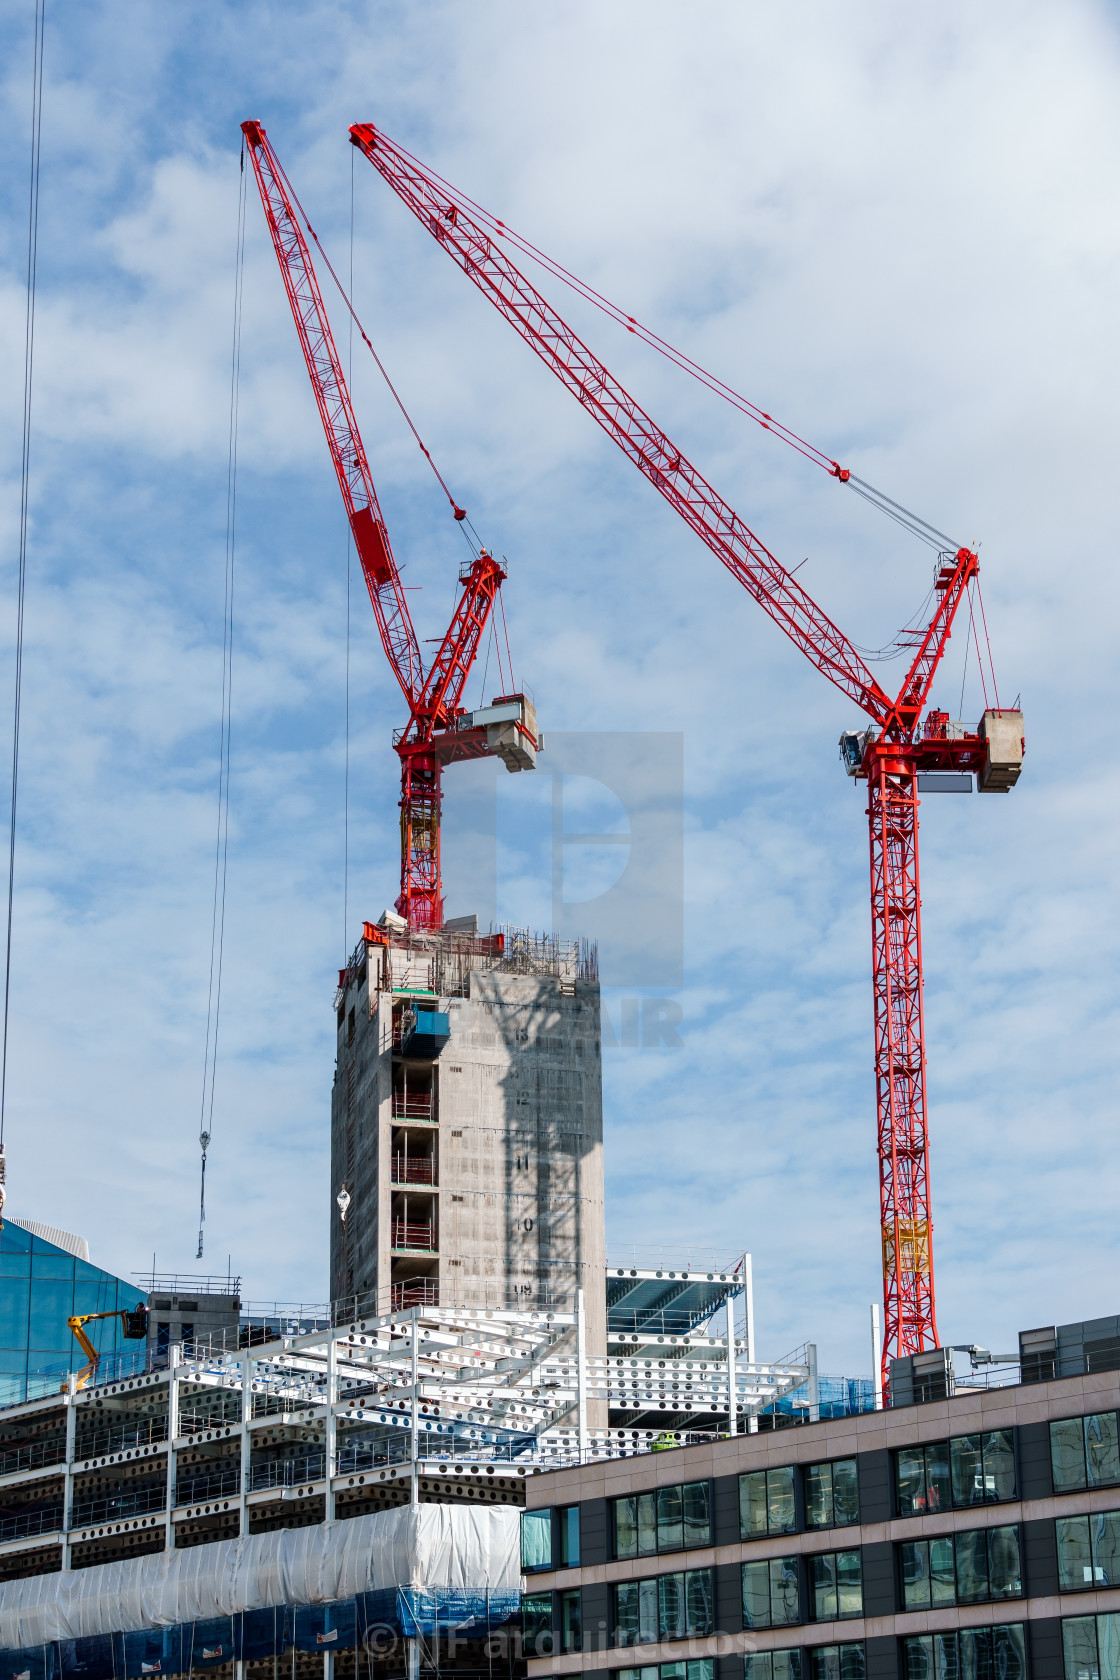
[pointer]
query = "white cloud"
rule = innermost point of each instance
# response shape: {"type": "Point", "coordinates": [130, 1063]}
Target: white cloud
{"type": "Point", "coordinates": [889, 227]}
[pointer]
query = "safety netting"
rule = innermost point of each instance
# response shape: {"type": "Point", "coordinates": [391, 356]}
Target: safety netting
{"type": "Point", "coordinates": [415, 1570]}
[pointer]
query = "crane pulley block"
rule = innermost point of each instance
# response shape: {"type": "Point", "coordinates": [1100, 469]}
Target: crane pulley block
{"type": "Point", "coordinates": [1003, 732]}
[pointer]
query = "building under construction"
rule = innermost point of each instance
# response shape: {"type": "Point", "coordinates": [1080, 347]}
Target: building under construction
{"type": "Point", "coordinates": [467, 1124]}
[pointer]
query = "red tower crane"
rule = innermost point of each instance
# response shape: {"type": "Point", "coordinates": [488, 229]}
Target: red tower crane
{"type": "Point", "coordinates": [889, 756]}
{"type": "Point", "coordinates": [439, 730]}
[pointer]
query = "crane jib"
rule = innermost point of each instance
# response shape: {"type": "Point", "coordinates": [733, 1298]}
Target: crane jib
{"type": "Point", "coordinates": [889, 762]}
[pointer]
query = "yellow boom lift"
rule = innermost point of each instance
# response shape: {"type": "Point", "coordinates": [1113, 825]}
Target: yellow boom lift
{"type": "Point", "coordinates": [135, 1330]}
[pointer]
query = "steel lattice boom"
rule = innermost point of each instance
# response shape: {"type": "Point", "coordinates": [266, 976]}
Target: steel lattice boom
{"type": "Point", "coordinates": [889, 756]}
{"type": "Point", "coordinates": [438, 731]}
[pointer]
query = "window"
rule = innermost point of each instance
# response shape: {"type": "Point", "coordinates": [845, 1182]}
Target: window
{"type": "Point", "coordinates": [831, 1494]}
{"type": "Point", "coordinates": [991, 1653]}
{"type": "Point", "coordinates": [1084, 1452]}
{"type": "Point", "coordinates": [973, 1567]}
{"type": "Point", "coordinates": [677, 1606]}
{"type": "Point", "coordinates": [1088, 1551]}
{"type": "Point", "coordinates": [536, 1540]}
{"type": "Point", "coordinates": [702, 1669]}
{"type": "Point", "coordinates": [163, 1341]}
{"type": "Point", "coordinates": [665, 1521]}
{"type": "Point", "coordinates": [187, 1332]}
{"type": "Point", "coordinates": [946, 1475]}
{"type": "Point", "coordinates": [771, 1593]}
{"type": "Point", "coordinates": [536, 1624]}
{"type": "Point", "coordinates": [571, 1621]}
{"type": "Point", "coordinates": [772, 1665]}
{"type": "Point", "coordinates": [1091, 1646]}
{"type": "Point", "coordinates": [568, 1525]}
{"type": "Point", "coordinates": [838, 1662]}
{"type": "Point", "coordinates": [835, 1586]}
{"type": "Point", "coordinates": [767, 1503]}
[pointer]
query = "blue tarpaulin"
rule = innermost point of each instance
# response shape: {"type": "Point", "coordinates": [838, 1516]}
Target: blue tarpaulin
{"type": "Point", "coordinates": [255, 1634]}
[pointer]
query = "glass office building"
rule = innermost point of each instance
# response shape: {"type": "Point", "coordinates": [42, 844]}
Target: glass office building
{"type": "Point", "coordinates": [41, 1285]}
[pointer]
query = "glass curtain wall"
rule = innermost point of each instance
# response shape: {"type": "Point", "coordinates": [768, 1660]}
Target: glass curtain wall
{"type": "Point", "coordinates": [41, 1286]}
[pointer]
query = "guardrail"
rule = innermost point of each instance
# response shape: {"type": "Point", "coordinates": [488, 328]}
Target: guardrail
{"type": "Point", "coordinates": [287, 1472]}
{"type": "Point", "coordinates": [414, 1169]}
{"type": "Point", "coordinates": [117, 1440]}
{"type": "Point", "coordinates": [34, 1457]}
{"type": "Point", "coordinates": [407, 1234]}
{"type": "Point", "coordinates": [189, 1490]}
{"type": "Point", "coordinates": [25, 1524]}
{"type": "Point", "coordinates": [138, 1504]}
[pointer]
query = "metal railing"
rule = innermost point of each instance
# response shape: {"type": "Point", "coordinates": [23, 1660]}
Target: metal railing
{"type": "Point", "coordinates": [24, 1524]}
{"type": "Point", "coordinates": [420, 1292]}
{"type": "Point", "coordinates": [414, 1169]}
{"type": "Point", "coordinates": [409, 1234]}
{"type": "Point", "coordinates": [287, 1472]}
{"type": "Point", "coordinates": [141, 1434]}
{"type": "Point", "coordinates": [172, 1283]}
{"type": "Point", "coordinates": [372, 1455]}
{"type": "Point", "coordinates": [217, 1484]}
{"type": "Point", "coordinates": [33, 1457]}
{"type": "Point", "coordinates": [114, 1509]}
{"type": "Point", "coordinates": [413, 1105]}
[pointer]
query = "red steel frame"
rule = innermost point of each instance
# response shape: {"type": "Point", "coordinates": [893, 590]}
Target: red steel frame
{"type": "Point", "coordinates": [892, 758]}
{"type": "Point", "coordinates": [432, 737]}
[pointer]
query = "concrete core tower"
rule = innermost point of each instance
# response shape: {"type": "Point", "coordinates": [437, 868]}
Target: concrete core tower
{"type": "Point", "coordinates": [467, 1124]}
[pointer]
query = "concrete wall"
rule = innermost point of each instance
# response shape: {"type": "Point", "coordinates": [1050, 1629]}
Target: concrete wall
{"type": "Point", "coordinates": [521, 1148]}
{"type": "Point", "coordinates": [518, 1141]}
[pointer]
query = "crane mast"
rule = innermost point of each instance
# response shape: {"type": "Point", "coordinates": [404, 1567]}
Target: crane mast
{"type": "Point", "coordinates": [439, 730]}
{"type": "Point", "coordinates": [889, 756]}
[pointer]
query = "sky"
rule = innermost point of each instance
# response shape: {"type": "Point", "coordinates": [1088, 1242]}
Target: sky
{"type": "Point", "coordinates": [892, 228]}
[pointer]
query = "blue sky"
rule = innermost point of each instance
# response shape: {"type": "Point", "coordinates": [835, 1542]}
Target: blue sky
{"type": "Point", "coordinates": [892, 228]}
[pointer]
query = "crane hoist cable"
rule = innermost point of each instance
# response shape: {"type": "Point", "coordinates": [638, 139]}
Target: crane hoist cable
{"type": "Point", "coordinates": [221, 844]}
{"type": "Point", "coordinates": [24, 517]}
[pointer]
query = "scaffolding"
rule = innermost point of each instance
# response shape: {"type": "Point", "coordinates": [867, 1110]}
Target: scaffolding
{"type": "Point", "coordinates": [440, 962]}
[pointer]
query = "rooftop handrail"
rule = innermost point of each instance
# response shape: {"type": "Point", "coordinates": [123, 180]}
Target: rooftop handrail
{"type": "Point", "coordinates": [175, 1283]}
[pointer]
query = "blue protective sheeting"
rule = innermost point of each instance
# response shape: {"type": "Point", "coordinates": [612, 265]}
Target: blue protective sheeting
{"type": "Point", "coordinates": [263, 1633]}
{"type": "Point", "coordinates": [326, 1627]}
{"type": "Point", "coordinates": [209, 1644]}
{"type": "Point", "coordinates": [153, 1651]}
{"type": "Point", "coordinates": [28, 1665]}
{"type": "Point", "coordinates": [91, 1658]}
{"type": "Point", "coordinates": [252, 1635]}
{"type": "Point", "coordinates": [450, 1611]}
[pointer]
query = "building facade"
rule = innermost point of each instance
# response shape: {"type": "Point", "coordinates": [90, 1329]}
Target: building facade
{"type": "Point", "coordinates": [42, 1283]}
{"type": "Point", "coordinates": [975, 1537]}
{"type": "Point", "coordinates": [467, 1125]}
